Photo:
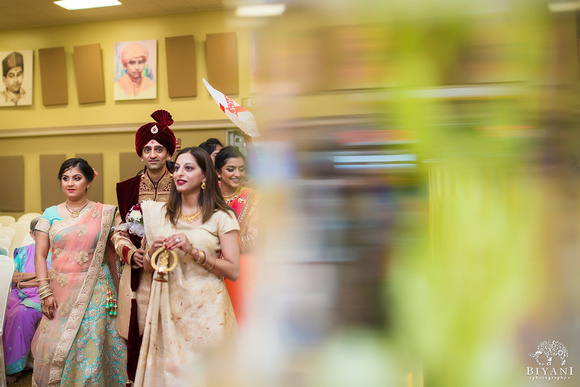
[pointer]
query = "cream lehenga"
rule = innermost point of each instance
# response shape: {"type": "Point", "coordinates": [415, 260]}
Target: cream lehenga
{"type": "Point", "coordinates": [191, 313]}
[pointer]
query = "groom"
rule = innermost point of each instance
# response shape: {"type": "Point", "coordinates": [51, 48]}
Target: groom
{"type": "Point", "coordinates": [154, 143]}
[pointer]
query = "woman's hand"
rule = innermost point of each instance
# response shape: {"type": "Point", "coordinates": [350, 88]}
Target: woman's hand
{"type": "Point", "coordinates": [158, 243]}
{"type": "Point", "coordinates": [49, 306]}
{"type": "Point", "coordinates": [27, 284]}
{"type": "Point", "coordinates": [21, 277]}
{"type": "Point", "coordinates": [178, 241]}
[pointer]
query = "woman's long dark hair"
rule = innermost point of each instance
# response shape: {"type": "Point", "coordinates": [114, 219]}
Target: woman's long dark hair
{"type": "Point", "coordinates": [210, 199]}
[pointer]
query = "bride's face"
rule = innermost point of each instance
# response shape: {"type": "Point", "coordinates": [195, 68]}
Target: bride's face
{"type": "Point", "coordinates": [187, 175]}
{"type": "Point", "coordinates": [74, 184]}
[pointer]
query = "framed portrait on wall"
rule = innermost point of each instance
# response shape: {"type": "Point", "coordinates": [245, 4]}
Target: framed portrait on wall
{"type": "Point", "coordinates": [17, 74]}
{"type": "Point", "coordinates": [135, 70]}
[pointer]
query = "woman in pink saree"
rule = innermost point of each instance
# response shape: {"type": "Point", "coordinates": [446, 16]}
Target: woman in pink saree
{"type": "Point", "coordinates": [76, 342]}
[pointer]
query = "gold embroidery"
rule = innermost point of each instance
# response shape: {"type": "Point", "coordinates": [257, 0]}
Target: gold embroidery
{"type": "Point", "coordinates": [147, 190]}
{"type": "Point", "coordinates": [52, 273]}
{"type": "Point", "coordinates": [62, 279]}
{"type": "Point", "coordinates": [65, 308]}
{"type": "Point", "coordinates": [79, 257]}
{"type": "Point", "coordinates": [82, 231]}
{"type": "Point", "coordinates": [56, 253]}
{"type": "Point", "coordinates": [95, 212]}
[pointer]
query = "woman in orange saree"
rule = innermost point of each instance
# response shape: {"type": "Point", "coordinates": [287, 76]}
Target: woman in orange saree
{"type": "Point", "coordinates": [76, 342]}
{"type": "Point", "coordinates": [230, 165]}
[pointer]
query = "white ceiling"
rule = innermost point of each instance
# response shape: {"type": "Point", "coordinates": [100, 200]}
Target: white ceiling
{"type": "Point", "coordinates": [20, 14]}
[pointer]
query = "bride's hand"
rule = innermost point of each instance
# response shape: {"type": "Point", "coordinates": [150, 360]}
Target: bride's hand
{"type": "Point", "coordinates": [178, 241]}
{"type": "Point", "coordinates": [158, 243]}
{"type": "Point", "coordinates": [49, 306]}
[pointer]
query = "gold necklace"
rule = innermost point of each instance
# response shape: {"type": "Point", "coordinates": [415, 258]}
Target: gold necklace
{"type": "Point", "coordinates": [190, 218]}
{"type": "Point", "coordinates": [230, 198]}
{"type": "Point", "coordinates": [74, 212]}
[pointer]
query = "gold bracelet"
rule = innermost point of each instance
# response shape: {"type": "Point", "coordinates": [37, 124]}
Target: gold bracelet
{"type": "Point", "coordinates": [18, 285]}
{"type": "Point", "coordinates": [42, 279]}
{"type": "Point", "coordinates": [201, 252]}
{"type": "Point", "coordinates": [43, 289]}
{"type": "Point", "coordinates": [211, 267]}
{"type": "Point", "coordinates": [46, 291]}
{"type": "Point", "coordinates": [45, 286]}
{"type": "Point", "coordinates": [45, 296]}
{"type": "Point", "coordinates": [198, 260]}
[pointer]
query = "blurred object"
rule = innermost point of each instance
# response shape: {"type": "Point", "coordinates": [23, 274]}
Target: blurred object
{"type": "Point", "coordinates": [419, 166]}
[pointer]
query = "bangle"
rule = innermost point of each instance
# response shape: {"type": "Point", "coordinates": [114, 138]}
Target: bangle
{"type": "Point", "coordinates": [43, 287]}
{"type": "Point", "coordinates": [46, 295]}
{"type": "Point", "coordinates": [211, 267]}
{"type": "Point", "coordinates": [199, 256]}
{"type": "Point", "coordinates": [202, 254]}
{"type": "Point", "coordinates": [190, 251]}
{"type": "Point", "coordinates": [42, 279]}
{"type": "Point", "coordinates": [18, 285]}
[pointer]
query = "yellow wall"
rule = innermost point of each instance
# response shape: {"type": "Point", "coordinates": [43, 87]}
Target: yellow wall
{"type": "Point", "coordinates": [69, 129]}
{"type": "Point", "coordinates": [106, 34]}
{"type": "Point", "coordinates": [109, 127]}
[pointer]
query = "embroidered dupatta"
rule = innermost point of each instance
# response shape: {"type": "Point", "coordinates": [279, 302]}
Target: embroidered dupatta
{"type": "Point", "coordinates": [246, 207]}
{"type": "Point", "coordinates": [78, 247]}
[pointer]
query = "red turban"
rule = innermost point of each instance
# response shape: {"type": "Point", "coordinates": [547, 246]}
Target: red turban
{"type": "Point", "coordinates": [158, 130]}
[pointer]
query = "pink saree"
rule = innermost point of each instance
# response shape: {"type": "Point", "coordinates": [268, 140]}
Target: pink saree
{"type": "Point", "coordinates": [80, 345]}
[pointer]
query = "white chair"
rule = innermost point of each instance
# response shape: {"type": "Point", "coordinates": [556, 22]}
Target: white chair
{"type": "Point", "coordinates": [4, 250]}
{"type": "Point", "coordinates": [8, 231]}
{"type": "Point", "coordinates": [5, 241]}
{"type": "Point", "coordinates": [6, 272]}
{"type": "Point", "coordinates": [28, 217]}
{"type": "Point", "coordinates": [6, 220]}
{"type": "Point", "coordinates": [22, 230]}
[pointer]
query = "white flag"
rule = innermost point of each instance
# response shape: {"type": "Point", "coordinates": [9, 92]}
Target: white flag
{"type": "Point", "coordinates": [239, 115]}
